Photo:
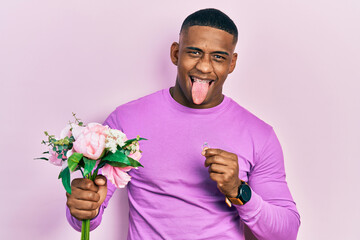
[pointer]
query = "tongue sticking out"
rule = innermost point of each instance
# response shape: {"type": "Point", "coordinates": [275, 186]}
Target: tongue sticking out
{"type": "Point", "coordinates": [199, 91]}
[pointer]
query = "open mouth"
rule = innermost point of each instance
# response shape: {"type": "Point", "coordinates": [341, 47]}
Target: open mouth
{"type": "Point", "coordinates": [195, 79]}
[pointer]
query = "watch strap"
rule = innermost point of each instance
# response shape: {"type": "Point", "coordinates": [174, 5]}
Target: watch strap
{"type": "Point", "coordinates": [236, 200]}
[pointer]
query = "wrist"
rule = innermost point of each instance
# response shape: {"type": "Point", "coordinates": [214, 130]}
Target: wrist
{"type": "Point", "coordinates": [235, 191]}
{"type": "Point", "coordinates": [242, 197]}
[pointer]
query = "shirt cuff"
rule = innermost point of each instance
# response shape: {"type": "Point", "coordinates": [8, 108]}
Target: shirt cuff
{"type": "Point", "coordinates": [250, 211]}
{"type": "Point", "coordinates": [76, 224]}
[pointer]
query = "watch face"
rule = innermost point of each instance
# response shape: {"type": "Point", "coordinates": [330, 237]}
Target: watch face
{"type": "Point", "coordinates": [245, 193]}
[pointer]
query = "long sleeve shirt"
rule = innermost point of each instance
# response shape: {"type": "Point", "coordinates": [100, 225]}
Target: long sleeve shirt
{"type": "Point", "coordinates": [173, 197]}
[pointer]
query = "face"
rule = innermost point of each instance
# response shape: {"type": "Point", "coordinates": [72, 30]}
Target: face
{"type": "Point", "coordinates": [204, 57]}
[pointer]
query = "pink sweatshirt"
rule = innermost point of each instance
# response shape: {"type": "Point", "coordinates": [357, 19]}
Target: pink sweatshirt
{"type": "Point", "coordinates": [173, 197]}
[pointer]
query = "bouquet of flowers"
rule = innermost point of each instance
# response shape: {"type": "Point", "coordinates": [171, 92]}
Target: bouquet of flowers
{"type": "Point", "coordinates": [88, 148]}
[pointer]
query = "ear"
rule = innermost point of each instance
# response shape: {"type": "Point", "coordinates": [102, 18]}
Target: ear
{"type": "Point", "coordinates": [233, 62]}
{"type": "Point", "coordinates": [174, 53]}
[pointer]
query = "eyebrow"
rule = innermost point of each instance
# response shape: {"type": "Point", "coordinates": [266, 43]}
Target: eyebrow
{"type": "Point", "coordinates": [198, 49]}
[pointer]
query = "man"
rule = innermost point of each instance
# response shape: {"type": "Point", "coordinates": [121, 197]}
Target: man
{"type": "Point", "coordinates": [180, 193]}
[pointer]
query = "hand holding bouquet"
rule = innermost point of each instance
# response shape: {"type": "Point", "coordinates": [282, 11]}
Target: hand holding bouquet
{"type": "Point", "coordinates": [88, 149]}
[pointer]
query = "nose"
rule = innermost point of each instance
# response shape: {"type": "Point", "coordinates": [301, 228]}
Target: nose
{"type": "Point", "coordinates": [204, 64]}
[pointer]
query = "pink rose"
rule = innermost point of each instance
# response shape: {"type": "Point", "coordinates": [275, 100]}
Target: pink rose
{"type": "Point", "coordinates": [77, 130]}
{"type": "Point", "coordinates": [53, 159]}
{"type": "Point", "coordinates": [91, 141]}
{"type": "Point", "coordinates": [116, 175]}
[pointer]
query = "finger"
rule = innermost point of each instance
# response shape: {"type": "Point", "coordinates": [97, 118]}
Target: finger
{"type": "Point", "coordinates": [83, 205]}
{"type": "Point", "coordinates": [217, 177]}
{"type": "Point", "coordinates": [221, 178]}
{"type": "Point", "coordinates": [100, 180]}
{"type": "Point", "coordinates": [203, 150]}
{"type": "Point", "coordinates": [217, 160]}
{"type": "Point", "coordinates": [84, 195]}
{"type": "Point", "coordinates": [82, 215]}
{"type": "Point", "coordinates": [214, 151]}
{"type": "Point", "coordinates": [84, 184]}
{"type": "Point", "coordinates": [218, 168]}
{"type": "Point", "coordinates": [102, 193]}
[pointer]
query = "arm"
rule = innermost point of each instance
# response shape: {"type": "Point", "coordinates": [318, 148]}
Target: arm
{"type": "Point", "coordinates": [271, 213]}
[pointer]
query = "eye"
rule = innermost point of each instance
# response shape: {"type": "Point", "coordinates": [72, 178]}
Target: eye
{"type": "Point", "coordinates": [219, 57]}
{"type": "Point", "coordinates": [194, 53]}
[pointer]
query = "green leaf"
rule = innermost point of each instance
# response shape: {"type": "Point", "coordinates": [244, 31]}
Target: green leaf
{"type": "Point", "coordinates": [81, 163]}
{"type": "Point", "coordinates": [65, 178]}
{"type": "Point", "coordinates": [118, 156]}
{"type": "Point", "coordinates": [101, 164]}
{"type": "Point", "coordinates": [117, 164]}
{"type": "Point", "coordinates": [135, 139]}
{"type": "Point", "coordinates": [47, 152]}
{"type": "Point", "coordinates": [41, 158]}
{"type": "Point", "coordinates": [74, 160]}
{"type": "Point", "coordinates": [60, 148]}
{"type": "Point", "coordinates": [89, 165]}
{"type": "Point", "coordinates": [130, 141]}
{"type": "Point", "coordinates": [60, 156]}
{"type": "Point", "coordinates": [119, 159]}
{"type": "Point", "coordinates": [134, 163]}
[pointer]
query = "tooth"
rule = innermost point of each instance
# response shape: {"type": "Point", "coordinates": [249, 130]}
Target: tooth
{"type": "Point", "coordinates": [201, 81]}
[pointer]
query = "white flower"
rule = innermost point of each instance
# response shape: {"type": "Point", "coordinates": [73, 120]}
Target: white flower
{"type": "Point", "coordinates": [133, 147]}
{"type": "Point", "coordinates": [111, 145]}
{"type": "Point", "coordinates": [69, 153]}
{"type": "Point", "coordinates": [114, 138]}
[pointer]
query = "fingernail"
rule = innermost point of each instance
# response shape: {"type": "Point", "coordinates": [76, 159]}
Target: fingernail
{"type": "Point", "coordinates": [205, 145]}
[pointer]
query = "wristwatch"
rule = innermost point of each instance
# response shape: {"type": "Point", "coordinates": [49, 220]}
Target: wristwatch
{"type": "Point", "coordinates": [244, 195]}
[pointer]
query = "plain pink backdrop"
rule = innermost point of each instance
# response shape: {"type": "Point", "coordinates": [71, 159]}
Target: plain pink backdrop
{"type": "Point", "coordinates": [298, 69]}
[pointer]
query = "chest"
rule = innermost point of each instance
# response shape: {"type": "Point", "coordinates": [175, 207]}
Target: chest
{"type": "Point", "coordinates": [173, 149]}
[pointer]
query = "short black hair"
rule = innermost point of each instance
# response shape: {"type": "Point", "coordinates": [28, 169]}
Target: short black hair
{"type": "Point", "coordinates": [211, 17]}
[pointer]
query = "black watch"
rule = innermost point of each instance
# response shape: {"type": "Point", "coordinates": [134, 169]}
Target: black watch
{"type": "Point", "coordinates": [244, 195]}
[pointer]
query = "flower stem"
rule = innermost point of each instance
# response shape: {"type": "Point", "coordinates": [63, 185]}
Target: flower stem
{"type": "Point", "coordinates": [85, 226]}
{"type": "Point", "coordinates": [85, 229]}
{"type": "Point", "coordinates": [82, 172]}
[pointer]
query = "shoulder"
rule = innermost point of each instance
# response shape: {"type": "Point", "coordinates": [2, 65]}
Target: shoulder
{"type": "Point", "coordinates": [250, 121]}
{"type": "Point", "coordinates": [134, 109]}
{"type": "Point", "coordinates": [142, 102]}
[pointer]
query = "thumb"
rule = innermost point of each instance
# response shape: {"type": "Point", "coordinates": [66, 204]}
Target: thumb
{"type": "Point", "coordinates": [204, 151]}
{"type": "Point", "coordinates": [100, 180]}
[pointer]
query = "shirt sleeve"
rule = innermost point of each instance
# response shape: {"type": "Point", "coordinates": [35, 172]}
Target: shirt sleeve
{"type": "Point", "coordinates": [95, 222]}
{"type": "Point", "coordinates": [271, 212]}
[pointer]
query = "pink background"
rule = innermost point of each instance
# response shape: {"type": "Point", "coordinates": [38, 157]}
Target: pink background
{"type": "Point", "coordinates": [298, 69]}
